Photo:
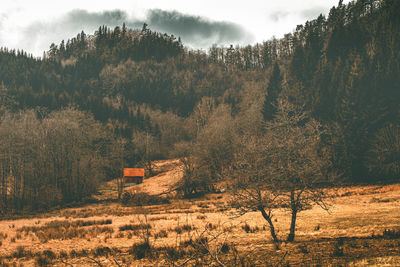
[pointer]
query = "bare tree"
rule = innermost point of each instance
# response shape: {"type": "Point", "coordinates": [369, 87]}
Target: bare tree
{"type": "Point", "coordinates": [119, 153]}
{"type": "Point", "coordinates": [47, 160]}
{"type": "Point", "coordinates": [284, 168]}
{"type": "Point", "coordinates": [146, 149]}
{"type": "Point", "coordinates": [384, 155]}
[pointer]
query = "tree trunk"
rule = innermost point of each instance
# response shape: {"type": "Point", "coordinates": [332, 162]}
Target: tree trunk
{"type": "Point", "coordinates": [271, 227]}
{"type": "Point", "coordinates": [293, 205]}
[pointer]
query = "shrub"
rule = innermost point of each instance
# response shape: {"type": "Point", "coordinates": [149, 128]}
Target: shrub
{"type": "Point", "coordinates": [141, 250]}
{"type": "Point", "coordinates": [183, 228]}
{"type": "Point", "coordinates": [200, 245]}
{"type": "Point", "coordinates": [201, 217]}
{"type": "Point", "coordinates": [20, 253]}
{"type": "Point", "coordinates": [77, 254]}
{"type": "Point", "coordinates": [63, 254]}
{"type": "Point", "coordinates": [248, 229]}
{"type": "Point", "coordinates": [173, 253]}
{"type": "Point", "coordinates": [102, 251]}
{"type": "Point", "coordinates": [225, 248]}
{"type": "Point", "coordinates": [43, 261]}
{"type": "Point", "coordinates": [49, 254]}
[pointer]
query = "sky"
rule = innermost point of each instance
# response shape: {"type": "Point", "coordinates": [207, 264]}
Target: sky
{"type": "Point", "coordinates": [34, 25]}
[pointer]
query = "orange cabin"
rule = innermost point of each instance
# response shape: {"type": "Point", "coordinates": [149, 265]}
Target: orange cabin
{"type": "Point", "coordinates": [133, 176]}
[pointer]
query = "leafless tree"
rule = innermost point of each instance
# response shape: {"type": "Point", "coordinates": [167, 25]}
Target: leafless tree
{"type": "Point", "coordinates": [285, 168]}
{"type": "Point", "coordinates": [384, 155]}
{"type": "Point", "coordinates": [146, 148]}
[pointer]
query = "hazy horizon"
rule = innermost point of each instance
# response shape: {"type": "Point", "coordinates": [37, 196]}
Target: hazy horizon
{"type": "Point", "coordinates": [33, 26]}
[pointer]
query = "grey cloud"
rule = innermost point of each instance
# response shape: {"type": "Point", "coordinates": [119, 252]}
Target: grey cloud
{"type": "Point", "coordinates": [196, 31]}
{"type": "Point", "coordinates": [313, 13]}
{"type": "Point", "coordinates": [39, 35]}
{"type": "Point", "coordinates": [80, 18]}
{"type": "Point", "coordinates": [310, 13]}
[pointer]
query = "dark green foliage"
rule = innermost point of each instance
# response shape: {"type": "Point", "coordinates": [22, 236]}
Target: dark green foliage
{"type": "Point", "coordinates": [273, 90]}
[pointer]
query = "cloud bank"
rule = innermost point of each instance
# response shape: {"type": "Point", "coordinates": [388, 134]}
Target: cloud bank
{"type": "Point", "coordinates": [195, 31]}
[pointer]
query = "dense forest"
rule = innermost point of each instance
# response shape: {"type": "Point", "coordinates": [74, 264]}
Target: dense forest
{"type": "Point", "coordinates": [124, 97]}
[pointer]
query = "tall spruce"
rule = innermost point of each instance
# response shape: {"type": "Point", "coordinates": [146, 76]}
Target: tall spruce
{"type": "Point", "coordinates": [273, 90]}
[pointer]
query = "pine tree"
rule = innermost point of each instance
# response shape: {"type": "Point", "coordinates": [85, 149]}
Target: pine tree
{"type": "Point", "coordinates": [273, 90]}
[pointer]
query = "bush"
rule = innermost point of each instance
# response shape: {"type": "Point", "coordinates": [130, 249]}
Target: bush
{"type": "Point", "coordinates": [102, 251]}
{"type": "Point", "coordinates": [200, 245]}
{"type": "Point", "coordinates": [183, 228]}
{"type": "Point", "coordinates": [248, 229]}
{"type": "Point", "coordinates": [49, 254]}
{"type": "Point", "coordinates": [141, 250]}
{"type": "Point", "coordinates": [43, 261]}
{"type": "Point", "coordinates": [173, 253]}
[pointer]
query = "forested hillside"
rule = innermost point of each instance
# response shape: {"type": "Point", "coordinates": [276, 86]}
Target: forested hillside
{"type": "Point", "coordinates": [150, 97]}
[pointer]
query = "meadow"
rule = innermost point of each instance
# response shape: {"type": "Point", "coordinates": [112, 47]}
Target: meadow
{"type": "Point", "coordinates": [362, 227]}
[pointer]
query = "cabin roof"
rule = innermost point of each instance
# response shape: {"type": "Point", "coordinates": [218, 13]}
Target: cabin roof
{"type": "Point", "coordinates": [133, 172]}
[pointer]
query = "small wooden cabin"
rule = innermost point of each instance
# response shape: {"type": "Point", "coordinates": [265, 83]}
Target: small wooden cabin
{"type": "Point", "coordinates": [133, 176]}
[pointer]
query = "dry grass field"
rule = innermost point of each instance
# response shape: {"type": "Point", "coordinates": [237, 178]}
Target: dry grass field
{"type": "Point", "coordinates": [361, 228]}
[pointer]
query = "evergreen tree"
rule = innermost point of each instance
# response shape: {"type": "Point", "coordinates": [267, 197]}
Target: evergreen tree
{"type": "Point", "coordinates": [273, 90]}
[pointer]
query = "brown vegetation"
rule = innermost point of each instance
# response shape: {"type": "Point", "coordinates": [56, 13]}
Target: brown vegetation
{"type": "Point", "coordinates": [196, 232]}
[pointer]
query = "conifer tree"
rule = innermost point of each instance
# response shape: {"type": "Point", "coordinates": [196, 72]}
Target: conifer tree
{"type": "Point", "coordinates": [273, 90]}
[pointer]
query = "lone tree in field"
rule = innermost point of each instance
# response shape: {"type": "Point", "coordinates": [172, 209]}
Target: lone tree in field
{"type": "Point", "coordinates": [284, 168]}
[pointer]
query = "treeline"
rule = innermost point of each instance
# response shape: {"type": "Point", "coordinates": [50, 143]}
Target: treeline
{"type": "Point", "coordinates": [141, 85]}
{"type": "Point", "coordinates": [49, 159]}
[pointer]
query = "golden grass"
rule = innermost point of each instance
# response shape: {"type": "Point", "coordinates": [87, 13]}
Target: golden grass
{"type": "Point", "coordinates": [351, 233]}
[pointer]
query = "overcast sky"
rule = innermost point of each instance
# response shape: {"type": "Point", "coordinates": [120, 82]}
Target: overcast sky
{"type": "Point", "coordinates": [34, 25]}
